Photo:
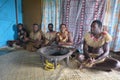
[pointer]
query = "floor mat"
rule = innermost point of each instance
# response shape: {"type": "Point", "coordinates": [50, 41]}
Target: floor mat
{"type": "Point", "coordinates": [3, 52]}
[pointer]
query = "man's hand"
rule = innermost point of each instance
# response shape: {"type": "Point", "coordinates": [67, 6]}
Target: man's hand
{"type": "Point", "coordinates": [26, 39]}
{"type": "Point", "coordinates": [91, 60]}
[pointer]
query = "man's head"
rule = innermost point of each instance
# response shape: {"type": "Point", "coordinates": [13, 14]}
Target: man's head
{"type": "Point", "coordinates": [96, 27]}
{"type": "Point", "coordinates": [35, 27]}
{"type": "Point", "coordinates": [50, 27]}
{"type": "Point", "coordinates": [63, 28]}
{"type": "Point", "coordinates": [20, 26]}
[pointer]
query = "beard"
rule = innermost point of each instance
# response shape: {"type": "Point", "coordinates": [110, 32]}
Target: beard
{"type": "Point", "coordinates": [51, 30]}
{"type": "Point", "coordinates": [36, 31]}
{"type": "Point", "coordinates": [95, 32]}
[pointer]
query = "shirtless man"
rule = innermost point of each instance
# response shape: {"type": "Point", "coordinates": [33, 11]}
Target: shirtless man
{"type": "Point", "coordinates": [35, 39]}
{"type": "Point", "coordinates": [22, 37]}
{"type": "Point", "coordinates": [96, 49]}
{"type": "Point", "coordinates": [64, 37]}
{"type": "Point", "coordinates": [50, 36]}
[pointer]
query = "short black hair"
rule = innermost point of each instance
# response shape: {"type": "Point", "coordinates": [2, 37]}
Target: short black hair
{"type": "Point", "coordinates": [20, 24]}
{"type": "Point", "coordinates": [62, 24]}
{"type": "Point", "coordinates": [98, 22]}
{"type": "Point", "coordinates": [35, 24]}
{"type": "Point", "coordinates": [50, 24]}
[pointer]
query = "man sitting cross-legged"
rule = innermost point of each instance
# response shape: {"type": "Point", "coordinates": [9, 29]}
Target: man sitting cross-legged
{"type": "Point", "coordinates": [96, 49]}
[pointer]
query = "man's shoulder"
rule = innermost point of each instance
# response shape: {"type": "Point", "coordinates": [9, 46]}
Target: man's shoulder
{"type": "Point", "coordinates": [54, 31]}
{"type": "Point", "coordinates": [105, 33]}
{"type": "Point", "coordinates": [107, 36]}
{"type": "Point", "coordinates": [58, 33]}
{"type": "Point", "coordinates": [87, 33]}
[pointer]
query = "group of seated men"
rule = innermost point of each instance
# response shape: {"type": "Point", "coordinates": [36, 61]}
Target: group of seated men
{"type": "Point", "coordinates": [37, 39]}
{"type": "Point", "coordinates": [95, 46]}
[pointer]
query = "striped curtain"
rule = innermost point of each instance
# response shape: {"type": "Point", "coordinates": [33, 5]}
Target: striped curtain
{"type": "Point", "coordinates": [51, 14]}
{"type": "Point", "coordinates": [78, 15]}
{"type": "Point", "coordinates": [112, 23]}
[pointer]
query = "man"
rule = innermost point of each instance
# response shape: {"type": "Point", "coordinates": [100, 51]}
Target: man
{"type": "Point", "coordinates": [50, 36]}
{"type": "Point", "coordinates": [22, 37]}
{"type": "Point", "coordinates": [96, 49]}
{"type": "Point", "coordinates": [22, 34]}
{"type": "Point", "coordinates": [64, 37]}
{"type": "Point", "coordinates": [35, 39]}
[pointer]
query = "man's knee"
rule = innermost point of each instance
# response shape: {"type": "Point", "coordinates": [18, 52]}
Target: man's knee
{"type": "Point", "coordinates": [117, 65]}
{"type": "Point", "coordinates": [81, 57]}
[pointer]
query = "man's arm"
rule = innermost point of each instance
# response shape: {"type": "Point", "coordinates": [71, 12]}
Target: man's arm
{"type": "Point", "coordinates": [85, 50]}
{"type": "Point", "coordinates": [106, 49]}
{"type": "Point", "coordinates": [70, 39]}
{"type": "Point", "coordinates": [57, 37]}
{"type": "Point", "coordinates": [39, 37]}
{"type": "Point", "coordinates": [69, 42]}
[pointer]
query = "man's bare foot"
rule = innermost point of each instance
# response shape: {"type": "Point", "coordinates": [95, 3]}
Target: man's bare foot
{"type": "Point", "coordinates": [81, 66]}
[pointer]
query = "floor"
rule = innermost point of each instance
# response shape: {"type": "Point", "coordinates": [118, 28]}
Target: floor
{"type": "Point", "coordinates": [24, 65]}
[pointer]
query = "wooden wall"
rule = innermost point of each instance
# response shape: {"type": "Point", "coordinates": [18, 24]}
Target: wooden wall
{"type": "Point", "coordinates": [32, 12]}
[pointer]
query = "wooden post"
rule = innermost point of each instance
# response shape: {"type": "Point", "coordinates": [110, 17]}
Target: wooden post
{"type": "Point", "coordinates": [16, 11]}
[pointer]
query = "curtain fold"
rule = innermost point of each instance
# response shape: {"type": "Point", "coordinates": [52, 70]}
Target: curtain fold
{"type": "Point", "coordinates": [51, 14]}
{"type": "Point", "coordinates": [112, 22]}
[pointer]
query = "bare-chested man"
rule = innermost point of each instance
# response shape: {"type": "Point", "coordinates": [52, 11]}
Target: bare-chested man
{"type": "Point", "coordinates": [35, 39]}
{"type": "Point", "coordinates": [49, 36]}
{"type": "Point", "coordinates": [64, 37]}
{"type": "Point", "coordinates": [96, 49]}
